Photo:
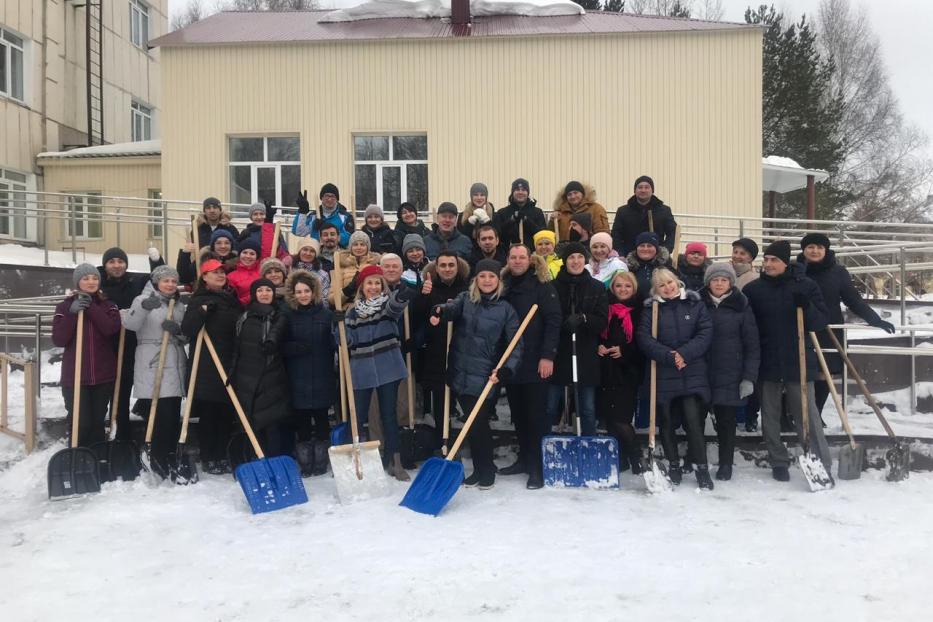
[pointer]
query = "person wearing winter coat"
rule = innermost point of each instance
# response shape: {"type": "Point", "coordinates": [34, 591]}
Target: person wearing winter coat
{"type": "Point", "coordinates": [213, 306]}
{"type": "Point", "coordinates": [275, 271]}
{"type": "Point", "coordinates": [261, 230]}
{"type": "Point", "coordinates": [444, 279]}
{"type": "Point", "coordinates": [376, 362]}
{"type": "Point", "coordinates": [222, 247]}
{"type": "Point", "coordinates": [604, 262]}
{"type": "Point", "coordinates": [692, 265]}
{"type": "Point", "coordinates": [407, 224]}
{"type": "Point", "coordinates": [521, 219]}
{"type": "Point", "coordinates": [444, 234]}
{"type": "Point", "coordinates": [644, 212]}
{"type": "Point", "coordinates": [98, 360]}
{"type": "Point", "coordinates": [545, 243]}
{"type": "Point", "coordinates": [744, 252]}
{"type": "Point", "coordinates": [148, 319]}
{"type": "Point", "coordinates": [309, 258]}
{"type": "Point", "coordinates": [775, 297]}
{"type": "Point", "coordinates": [526, 282]}
{"type": "Point", "coordinates": [684, 336]}
{"type": "Point", "coordinates": [213, 218]}
{"type": "Point", "coordinates": [247, 270]}
{"type": "Point", "coordinates": [835, 284]}
{"type": "Point", "coordinates": [487, 246]}
{"type": "Point", "coordinates": [348, 264]}
{"type": "Point", "coordinates": [478, 211]}
{"type": "Point", "coordinates": [733, 358]}
{"type": "Point", "coordinates": [414, 260]}
{"type": "Point", "coordinates": [381, 237]}
{"type": "Point", "coordinates": [647, 257]}
{"type": "Point", "coordinates": [621, 367]}
{"type": "Point", "coordinates": [584, 308]}
{"type": "Point", "coordinates": [483, 323]}
{"type": "Point", "coordinates": [330, 210]}
{"type": "Point", "coordinates": [577, 198]}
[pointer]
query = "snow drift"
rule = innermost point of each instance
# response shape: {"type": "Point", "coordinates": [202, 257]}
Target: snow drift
{"type": "Point", "coordinates": [374, 9]}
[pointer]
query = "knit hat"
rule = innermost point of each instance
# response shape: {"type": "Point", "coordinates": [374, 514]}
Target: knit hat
{"type": "Point", "coordinates": [573, 186]}
{"type": "Point", "coordinates": [366, 272]}
{"type": "Point", "coordinates": [545, 233]}
{"type": "Point", "coordinates": [645, 178]}
{"type": "Point", "coordinates": [412, 240]}
{"type": "Point", "coordinates": [695, 247]}
{"type": "Point", "coordinates": [254, 287]}
{"type": "Point", "coordinates": [163, 272]}
{"type": "Point", "coordinates": [488, 265]}
{"type": "Point", "coordinates": [584, 219]}
{"type": "Point", "coordinates": [406, 206]}
{"type": "Point", "coordinates": [359, 236]}
{"type": "Point", "coordinates": [210, 265]}
{"type": "Point", "coordinates": [780, 250]}
{"type": "Point", "coordinates": [479, 188]}
{"type": "Point", "coordinates": [601, 237]}
{"type": "Point", "coordinates": [329, 188]}
{"type": "Point", "coordinates": [723, 269]}
{"type": "Point", "coordinates": [306, 241]}
{"type": "Point", "coordinates": [257, 207]}
{"type": "Point", "coordinates": [271, 263]}
{"type": "Point", "coordinates": [647, 237]}
{"type": "Point", "coordinates": [373, 210]}
{"type": "Point", "coordinates": [115, 253]}
{"type": "Point", "coordinates": [210, 202]}
{"type": "Point", "coordinates": [221, 233]}
{"type": "Point", "coordinates": [748, 244]}
{"type": "Point", "coordinates": [447, 208]}
{"type": "Point", "coordinates": [816, 237]}
{"type": "Point", "coordinates": [520, 183]}
{"type": "Point", "coordinates": [253, 245]}
{"type": "Point", "coordinates": [571, 248]}
{"type": "Point", "coordinates": [81, 271]}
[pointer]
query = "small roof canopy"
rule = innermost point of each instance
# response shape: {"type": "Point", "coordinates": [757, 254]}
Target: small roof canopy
{"type": "Point", "coordinates": [779, 174]}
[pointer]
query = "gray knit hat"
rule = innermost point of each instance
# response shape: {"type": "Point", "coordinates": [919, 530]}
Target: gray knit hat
{"type": "Point", "coordinates": [723, 269]}
{"type": "Point", "coordinates": [81, 271]}
{"type": "Point", "coordinates": [359, 236]}
{"type": "Point", "coordinates": [412, 240]}
{"type": "Point", "coordinates": [163, 272]}
{"type": "Point", "coordinates": [373, 210]}
{"type": "Point", "coordinates": [257, 207]}
{"type": "Point", "coordinates": [479, 188]}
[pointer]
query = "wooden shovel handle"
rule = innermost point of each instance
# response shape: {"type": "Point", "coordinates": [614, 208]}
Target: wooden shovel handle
{"type": "Point", "coordinates": [410, 381]}
{"type": "Point", "coordinates": [446, 434]}
{"type": "Point", "coordinates": [276, 232]}
{"type": "Point", "coordinates": [194, 243]}
{"type": "Point", "coordinates": [115, 403]}
{"type": "Point", "coordinates": [482, 397]}
{"type": "Point", "coordinates": [832, 388]}
{"type": "Point", "coordinates": [233, 397]}
{"type": "Point", "coordinates": [76, 396]}
{"type": "Point", "coordinates": [802, 363]}
{"type": "Point", "coordinates": [653, 395]}
{"type": "Point", "coordinates": [189, 400]}
{"type": "Point", "coordinates": [351, 398]}
{"type": "Point", "coordinates": [676, 253]}
{"type": "Point", "coordinates": [157, 383]}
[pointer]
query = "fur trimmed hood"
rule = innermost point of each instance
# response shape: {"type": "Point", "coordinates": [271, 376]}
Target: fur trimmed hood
{"type": "Point", "coordinates": [230, 263]}
{"type": "Point", "coordinates": [349, 262]}
{"type": "Point", "coordinates": [538, 264]}
{"type": "Point", "coordinates": [561, 205]}
{"type": "Point", "coordinates": [463, 271]}
{"type": "Point", "coordinates": [290, 281]}
{"type": "Point", "coordinates": [662, 258]}
{"type": "Point", "coordinates": [225, 218]}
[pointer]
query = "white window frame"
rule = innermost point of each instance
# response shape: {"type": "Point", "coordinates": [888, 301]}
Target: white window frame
{"type": "Point", "coordinates": [18, 182]}
{"type": "Point", "coordinates": [156, 208]}
{"type": "Point", "coordinates": [143, 114]}
{"type": "Point", "coordinates": [390, 163]}
{"type": "Point", "coordinates": [265, 163]}
{"type": "Point", "coordinates": [7, 47]}
{"type": "Point", "coordinates": [139, 24]}
{"type": "Point", "coordinates": [85, 218]}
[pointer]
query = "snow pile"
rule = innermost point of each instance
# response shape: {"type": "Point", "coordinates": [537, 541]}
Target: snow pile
{"type": "Point", "coordinates": [780, 161]}
{"type": "Point", "coordinates": [18, 255]}
{"type": "Point", "coordinates": [375, 9]}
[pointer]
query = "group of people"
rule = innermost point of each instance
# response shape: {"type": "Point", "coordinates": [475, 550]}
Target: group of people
{"type": "Point", "coordinates": [609, 301]}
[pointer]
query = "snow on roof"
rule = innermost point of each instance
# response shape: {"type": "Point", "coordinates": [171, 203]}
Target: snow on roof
{"type": "Point", "coordinates": [375, 9]}
{"type": "Point", "coordinates": [116, 150]}
{"type": "Point", "coordinates": [780, 174]}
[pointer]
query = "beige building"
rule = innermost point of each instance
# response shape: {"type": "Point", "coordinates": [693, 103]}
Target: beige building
{"type": "Point", "coordinates": [50, 101]}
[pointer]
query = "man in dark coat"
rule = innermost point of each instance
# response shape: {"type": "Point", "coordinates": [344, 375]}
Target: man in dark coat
{"type": "Point", "coordinates": [120, 288]}
{"type": "Point", "coordinates": [527, 282]}
{"type": "Point", "coordinates": [585, 311]}
{"type": "Point", "coordinates": [445, 235]}
{"type": "Point", "coordinates": [775, 298]}
{"type": "Point", "coordinates": [521, 219]}
{"type": "Point", "coordinates": [643, 212]}
{"type": "Point", "coordinates": [487, 247]}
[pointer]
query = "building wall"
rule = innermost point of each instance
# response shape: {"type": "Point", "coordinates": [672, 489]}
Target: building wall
{"type": "Point", "coordinates": [682, 107]}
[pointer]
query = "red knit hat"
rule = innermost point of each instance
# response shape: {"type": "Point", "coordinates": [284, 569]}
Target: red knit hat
{"type": "Point", "coordinates": [367, 271]}
{"type": "Point", "coordinates": [695, 247]}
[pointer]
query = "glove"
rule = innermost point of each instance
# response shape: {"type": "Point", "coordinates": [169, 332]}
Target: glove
{"type": "Point", "coordinates": [481, 217]}
{"type": "Point", "coordinates": [505, 374]}
{"type": "Point", "coordinates": [81, 302]}
{"type": "Point", "coordinates": [152, 302]}
{"type": "Point", "coordinates": [473, 220]}
{"type": "Point", "coordinates": [517, 215]}
{"type": "Point", "coordinates": [350, 290]}
{"type": "Point", "coordinates": [339, 315]}
{"type": "Point", "coordinates": [268, 347]}
{"type": "Point", "coordinates": [407, 345]}
{"type": "Point", "coordinates": [746, 388]}
{"type": "Point", "coordinates": [270, 211]}
{"type": "Point", "coordinates": [887, 327]}
{"type": "Point", "coordinates": [302, 202]}
{"type": "Point", "coordinates": [317, 224]}
{"type": "Point", "coordinates": [574, 321]}
{"type": "Point", "coordinates": [171, 327]}
{"type": "Point", "coordinates": [208, 308]}
{"type": "Point", "coordinates": [154, 254]}
{"type": "Point", "coordinates": [406, 292]}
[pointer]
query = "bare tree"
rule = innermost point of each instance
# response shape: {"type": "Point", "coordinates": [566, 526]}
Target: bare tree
{"type": "Point", "coordinates": [272, 5]}
{"type": "Point", "coordinates": [680, 8]}
{"type": "Point", "coordinates": [709, 9]}
{"type": "Point", "coordinates": [191, 13]}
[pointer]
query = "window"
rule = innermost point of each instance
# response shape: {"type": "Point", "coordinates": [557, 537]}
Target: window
{"type": "Point", "coordinates": [264, 168]}
{"type": "Point", "coordinates": [139, 24]}
{"type": "Point", "coordinates": [140, 122]}
{"type": "Point", "coordinates": [13, 188]}
{"type": "Point", "coordinates": [12, 65]}
{"type": "Point", "coordinates": [88, 221]}
{"type": "Point", "coordinates": [390, 170]}
{"type": "Point", "coordinates": [156, 210]}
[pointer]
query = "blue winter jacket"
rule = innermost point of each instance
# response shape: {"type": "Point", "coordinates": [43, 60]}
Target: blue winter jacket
{"type": "Point", "coordinates": [303, 224]}
{"type": "Point", "coordinates": [735, 353]}
{"type": "Point", "coordinates": [684, 325]}
{"type": "Point", "coordinates": [375, 348]}
{"type": "Point", "coordinates": [456, 242]}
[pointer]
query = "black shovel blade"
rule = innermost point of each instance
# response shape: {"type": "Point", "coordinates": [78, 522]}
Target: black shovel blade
{"type": "Point", "coordinates": [73, 472]}
{"type": "Point", "coordinates": [101, 451]}
{"type": "Point", "coordinates": [898, 459]}
{"type": "Point", "coordinates": [184, 467]}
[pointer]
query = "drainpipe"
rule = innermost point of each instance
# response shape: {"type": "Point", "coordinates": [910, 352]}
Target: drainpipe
{"type": "Point", "coordinates": [460, 18]}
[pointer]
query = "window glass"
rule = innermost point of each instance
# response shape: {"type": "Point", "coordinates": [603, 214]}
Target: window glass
{"type": "Point", "coordinates": [291, 184]}
{"type": "Point", "coordinates": [284, 149]}
{"type": "Point", "coordinates": [365, 185]}
{"type": "Point", "coordinates": [371, 147]}
{"type": "Point", "coordinates": [241, 188]}
{"type": "Point", "coordinates": [16, 73]}
{"type": "Point", "coordinates": [391, 188]}
{"type": "Point", "coordinates": [409, 147]}
{"type": "Point", "coordinates": [417, 186]}
{"type": "Point", "coordinates": [246, 150]}
{"type": "Point", "coordinates": [265, 180]}
{"type": "Point", "coordinates": [258, 172]}
{"type": "Point", "coordinates": [393, 176]}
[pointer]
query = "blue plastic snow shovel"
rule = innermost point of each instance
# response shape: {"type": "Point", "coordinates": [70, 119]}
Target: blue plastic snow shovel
{"type": "Point", "coordinates": [439, 478]}
{"type": "Point", "coordinates": [269, 483]}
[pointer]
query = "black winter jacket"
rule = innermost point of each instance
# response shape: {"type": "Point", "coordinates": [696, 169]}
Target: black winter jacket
{"type": "Point", "coordinates": [259, 375]}
{"type": "Point", "coordinates": [643, 271]}
{"type": "Point", "coordinates": [381, 239]}
{"type": "Point", "coordinates": [401, 230]}
{"type": "Point", "coordinates": [432, 364]}
{"type": "Point", "coordinates": [772, 300]}
{"type": "Point", "coordinates": [507, 219]}
{"type": "Point", "coordinates": [122, 292]}
{"type": "Point", "coordinates": [735, 354]}
{"type": "Point", "coordinates": [308, 348]}
{"type": "Point", "coordinates": [692, 276]}
{"type": "Point", "coordinates": [542, 335]}
{"type": "Point", "coordinates": [220, 320]}
{"type": "Point", "coordinates": [632, 219]}
{"type": "Point", "coordinates": [580, 293]}
{"type": "Point", "coordinates": [628, 369]}
{"type": "Point", "coordinates": [501, 255]}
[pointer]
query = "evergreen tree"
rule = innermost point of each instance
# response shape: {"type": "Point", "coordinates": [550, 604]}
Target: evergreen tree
{"type": "Point", "coordinates": [589, 5]}
{"type": "Point", "coordinates": [614, 6]}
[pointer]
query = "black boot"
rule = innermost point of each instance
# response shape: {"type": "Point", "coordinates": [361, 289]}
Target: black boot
{"type": "Point", "coordinates": [724, 472]}
{"type": "Point", "coordinates": [780, 473]}
{"type": "Point", "coordinates": [535, 479]}
{"type": "Point", "coordinates": [472, 480]}
{"type": "Point", "coordinates": [516, 468]}
{"type": "Point", "coordinates": [675, 473]}
{"type": "Point", "coordinates": [704, 481]}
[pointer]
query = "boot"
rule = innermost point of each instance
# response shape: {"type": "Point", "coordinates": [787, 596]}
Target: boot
{"type": "Point", "coordinates": [724, 472]}
{"type": "Point", "coordinates": [517, 468]}
{"type": "Point", "coordinates": [535, 479]}
{"type": "Point", "coordinates": [637, 467]}
{"type": "Point", "coordinates": [780, 473]}
{"type": "Point", "coordinates": [396, 469]}
{"type": "Point", "coordinates": [472, 480]}
{"type": "Point", "coordinates": [704, 481]}
{"type": "Point", "coordinates": [675, 473]}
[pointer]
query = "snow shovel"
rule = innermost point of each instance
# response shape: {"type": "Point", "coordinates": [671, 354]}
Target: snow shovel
{"type": "Point", "coordinates": [656, 479]}
{"type": "Point", "coordinates": [340, 435]}
{"type": "Point", "coordinates": [580, 461]}
{"type": "Point", "coordinates": [157, 471]}
{"type": "Point", "coordinates": [408, 439]}
{"type": "Point", "coordinates": [184, 469]}
{"type": "Point", "coordinates": [357, 467]}
{"type": "Point", "coordinates": [73, 471]}
{"type": "Point", "coordinates": [269, 483]}
{"type": "Point", "coordinates": [852, 455]}
{"type": "Point", "coordinates": [445, 435]}
{"type": "Point", "coordinates": [810, 464]}
{"type": "Point", "coordinates": [117, 459]}
{"type": "Point", "coordinates": [898, 457]}
{"type": "Point", "coordinates": [439, 478]}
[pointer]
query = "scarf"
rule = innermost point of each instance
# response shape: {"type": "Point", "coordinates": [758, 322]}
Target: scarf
{"type": "Point", "coordinates": [624, 313]}
{"type": "Point", "coordinates": [718, 301]}
{"type": "Point", "coordinates": [368, 307]}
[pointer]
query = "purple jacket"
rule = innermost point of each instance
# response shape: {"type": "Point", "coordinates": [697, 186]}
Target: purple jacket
{"type": "Point", "coordinates": [101, 323]}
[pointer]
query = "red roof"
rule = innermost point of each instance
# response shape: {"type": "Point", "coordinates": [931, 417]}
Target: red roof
{"type": "Point", "coordinates": [233, 27]}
